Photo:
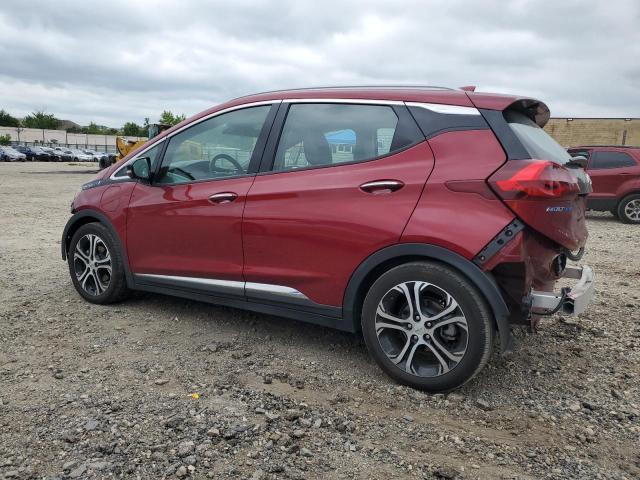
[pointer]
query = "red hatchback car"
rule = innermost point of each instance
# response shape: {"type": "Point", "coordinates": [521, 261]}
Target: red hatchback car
{"type": "Point", "coordinates": [615, 172]}
{"type": "Point", "coordinates": [429, 219]}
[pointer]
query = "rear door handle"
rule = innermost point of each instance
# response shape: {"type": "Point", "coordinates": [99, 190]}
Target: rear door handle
{"type": "Point", "coordinates": [381, 186]}
{"type": "Point", "coordinates": [222, 198]}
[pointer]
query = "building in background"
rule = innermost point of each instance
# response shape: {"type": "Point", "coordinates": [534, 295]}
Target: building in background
{"type": "Point", "coordinates": [570, 132]}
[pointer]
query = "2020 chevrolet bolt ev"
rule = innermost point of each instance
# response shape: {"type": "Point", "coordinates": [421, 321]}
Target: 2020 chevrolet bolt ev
{"type": "Point", "coordinates": [427, 219]}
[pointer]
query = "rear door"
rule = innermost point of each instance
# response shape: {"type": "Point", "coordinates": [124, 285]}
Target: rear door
{"type": "Point", "coordinates": [184, 229]}
{"type": "Point", "coordinates": [339, 183]}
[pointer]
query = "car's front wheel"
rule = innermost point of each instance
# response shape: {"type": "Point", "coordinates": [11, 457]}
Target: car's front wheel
{"type": "Point", "coordinates": [427, 326]}
{"type": "Point", "coordinates": [96, 266]}
{"type": "Point", "coordinates": [629, 209]}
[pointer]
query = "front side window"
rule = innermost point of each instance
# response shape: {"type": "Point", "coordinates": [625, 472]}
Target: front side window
{"type": "Point", "coordinates": [151, 154]}
{"type": "Point", "coordinates": [317, 134]}
{"type": "Point", "coordinates": [219, 147]}
{"type": "Point", "coordinates": [604, 159]}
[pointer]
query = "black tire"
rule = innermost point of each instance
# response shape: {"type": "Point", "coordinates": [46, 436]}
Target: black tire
{"type": "Point", "coordinates": [629, 209]}
{"type": "Point", "coordinates": [479, 331]}
{"type": "Point", "coordinates": [102, 163]}
{"type": "Point", "coordinates": [101, 292]}
{"type": "Point", "coordinates": [614, 212]}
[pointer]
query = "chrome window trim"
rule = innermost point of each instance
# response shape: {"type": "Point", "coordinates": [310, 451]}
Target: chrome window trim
{"type": "Point", "coordinates": [191, 124]}
{"type": "Point", "coordinates": [355, 101]}
{"type": "Point", "coordinates": [445, 108]}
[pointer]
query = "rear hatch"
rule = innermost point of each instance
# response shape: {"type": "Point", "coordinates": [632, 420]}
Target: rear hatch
{"type": "Point", "coordinates": [543, 185]}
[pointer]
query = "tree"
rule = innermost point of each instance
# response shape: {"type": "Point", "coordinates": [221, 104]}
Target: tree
{"type": "Point", "coordinates": [93, 129]}
{"type": "Point", "coordinates": [7, 120]}
{"type": "Point", "coordinates": [132, 129]}
{"type": "Point", "coordinates": [169, 118]}
{"type": "Point", "coordinates": [5, 139]}
{"type": "Point", "coordinates": [41, 120]}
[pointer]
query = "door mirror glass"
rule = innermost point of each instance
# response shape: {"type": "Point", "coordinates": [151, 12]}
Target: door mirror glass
{"type": "Point", "coordinates": [140, 169]}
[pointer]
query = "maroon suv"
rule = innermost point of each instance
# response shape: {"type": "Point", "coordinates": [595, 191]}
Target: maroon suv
{"type": "Point", "coordinates": [428, 219]}
{"type": "Point", "coordinates": [615, 172]}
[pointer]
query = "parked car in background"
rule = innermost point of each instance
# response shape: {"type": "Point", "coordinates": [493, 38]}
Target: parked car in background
{"type": "Point", "coordinates": [34, 153]}
{"type": "Point", "coordinates": [615, 173]}
{"type": "Point", "coordinates": [429, 219]}
{"type": "Point", "coordinates": [81, 156]}
{"type": "Point", "coordinates": [96, 156]}
{"type": "Point", "coordinates": [10, 154]}
{"type": "Point", "coordinates": [65, 154]}
{"type": "Point", "coordinates": [54, 156]}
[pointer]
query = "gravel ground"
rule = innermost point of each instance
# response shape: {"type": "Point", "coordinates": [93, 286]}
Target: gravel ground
{"type": "Point", "coordinates": [159, 387]}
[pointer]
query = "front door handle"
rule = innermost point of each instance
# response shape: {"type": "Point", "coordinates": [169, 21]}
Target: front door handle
{"type": "Point", "coordinates": [381, 186]}
{"type": "Point", "coordinates": [222, 198]}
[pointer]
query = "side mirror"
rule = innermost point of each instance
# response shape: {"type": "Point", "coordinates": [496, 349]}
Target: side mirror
{"type": "Point", "coordinates": [140, 169]}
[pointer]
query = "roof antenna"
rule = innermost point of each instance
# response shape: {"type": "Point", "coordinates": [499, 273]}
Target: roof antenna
{"type": "Point", "coordinates": [468, 88]}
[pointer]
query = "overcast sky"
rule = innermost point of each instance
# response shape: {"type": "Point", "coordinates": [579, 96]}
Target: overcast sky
{"type": "Point", "coordinates": [112, 61]}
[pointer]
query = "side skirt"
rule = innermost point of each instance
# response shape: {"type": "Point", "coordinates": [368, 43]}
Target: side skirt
{"type": "Point", "coordinates": [323, 315]}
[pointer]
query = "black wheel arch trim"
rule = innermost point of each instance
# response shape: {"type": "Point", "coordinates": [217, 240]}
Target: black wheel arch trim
{"type": "Point", "coordinates": [483, 281]}
{"type": "Point", "coordinates": [83, 215]}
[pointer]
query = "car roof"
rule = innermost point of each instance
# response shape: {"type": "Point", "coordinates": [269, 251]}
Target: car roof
{"type": "Point", "coordinates": [397, 93]}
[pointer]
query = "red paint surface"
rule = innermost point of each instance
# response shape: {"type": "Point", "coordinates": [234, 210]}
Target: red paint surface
{"type": "Point", "coordinates": [310, 229]}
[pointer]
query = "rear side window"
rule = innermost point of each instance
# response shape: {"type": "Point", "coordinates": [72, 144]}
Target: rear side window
{"type": "Point", "coordinates": [316, 135]}
{"type": "Point", "coordinates": [534, 139]}
{"type": "Point", "coordinates": [601, 160]}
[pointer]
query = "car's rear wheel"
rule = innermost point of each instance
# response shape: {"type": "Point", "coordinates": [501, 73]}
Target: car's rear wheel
{"type": "Point", "coordinates": [629, 209]}
{"type": "Point", "coordinates": [96, 266]}
{"type": "Point", "coordinates": [427, 326]}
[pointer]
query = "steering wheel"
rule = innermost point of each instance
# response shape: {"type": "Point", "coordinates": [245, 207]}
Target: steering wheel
{"type": "Point", "coordinates": [223, 156]}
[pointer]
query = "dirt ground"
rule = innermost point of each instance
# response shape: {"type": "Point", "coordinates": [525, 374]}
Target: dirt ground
{"type": "Point", "coordinates": [158, 387]}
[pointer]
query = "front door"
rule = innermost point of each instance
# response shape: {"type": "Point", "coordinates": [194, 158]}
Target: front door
{"type": "Point", "coordinates": [184, 229]}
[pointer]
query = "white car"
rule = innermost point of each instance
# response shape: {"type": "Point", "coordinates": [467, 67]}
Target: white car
{"type": "Point", "coordinates": [81, 156]}
{"type": "Point", "coordinates": [10, 154]}
{"type": "Point", "coordinates": [94, 155]}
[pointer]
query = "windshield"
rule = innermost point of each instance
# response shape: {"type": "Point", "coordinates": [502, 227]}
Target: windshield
{"type": "Point", "coordinates": [534, 139]}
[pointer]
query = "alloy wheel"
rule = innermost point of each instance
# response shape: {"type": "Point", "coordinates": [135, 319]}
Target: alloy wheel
{"type": "Point", "coordinates": [421, 329]}
{"type": "Point", "coordinates": [92, 264]}
{"type": "Point", "coordinates": [632, 210]}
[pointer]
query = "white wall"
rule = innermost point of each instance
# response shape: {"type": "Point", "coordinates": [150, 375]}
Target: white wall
{"type": "Point", "coordinates": [35, 135]}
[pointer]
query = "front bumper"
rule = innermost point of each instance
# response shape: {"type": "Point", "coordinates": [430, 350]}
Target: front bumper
{"type": "Point", "coordinates": [572, 301]}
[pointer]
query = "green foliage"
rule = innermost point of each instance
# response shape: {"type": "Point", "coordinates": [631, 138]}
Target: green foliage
{"type": "Point", "coordinates": [7, 120]}
{"type": "Point", "coordinates": [93, 129]}
{"type": "Point", "coordinates": [5, 139]}
{"type": "Point", "coordinates": [132, 129]}
{"type": "Point", "coordinates": [41, 120]}
{"type": "Point", "coordinates": [169, 118]}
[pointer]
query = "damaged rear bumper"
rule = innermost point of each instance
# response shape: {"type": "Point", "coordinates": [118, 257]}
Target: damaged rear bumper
{"type": "Point", "coordinates": [572, 300]}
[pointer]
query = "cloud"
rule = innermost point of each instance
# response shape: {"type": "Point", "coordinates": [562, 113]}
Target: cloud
{"type": "Point", "coordinates": [112, 62]}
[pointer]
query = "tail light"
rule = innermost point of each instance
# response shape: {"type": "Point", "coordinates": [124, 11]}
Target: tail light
{"type": "Point", "coordinates": [530, 179]}
{"type": "Point", "coordinates": [546, 196]}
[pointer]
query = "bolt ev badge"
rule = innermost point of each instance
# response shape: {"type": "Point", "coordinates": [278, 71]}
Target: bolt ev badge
{"type": "Point", "coordinates": [558, 209]}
